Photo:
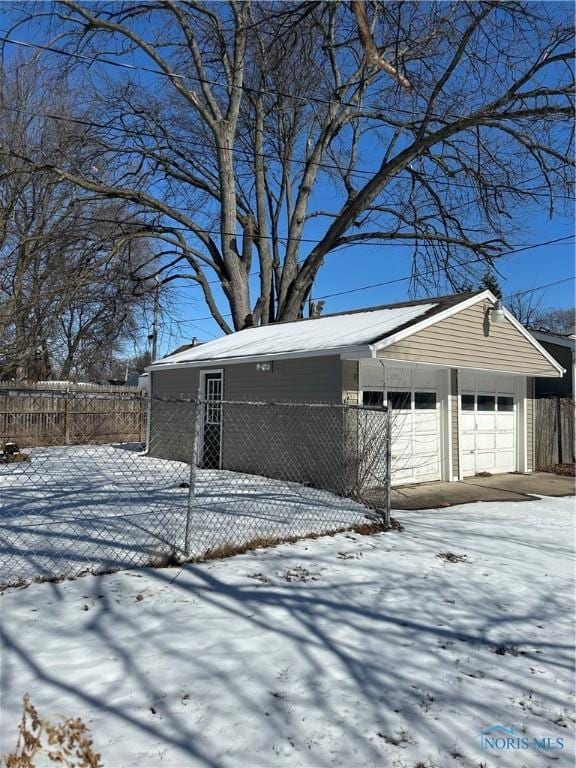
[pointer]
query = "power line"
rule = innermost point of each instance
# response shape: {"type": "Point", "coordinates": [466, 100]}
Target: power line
{"type": "Point", "coordinates": [509, 296]}
{"type": "Point", "coordinates": [402, 279]}
{"type": "Point", "coordinates": [283, 238]}
{"type": "Point", "coordinates": [410, 277]}
{"type": "Point", "coordinates": [249, 153]}
{"type": "Point", "coordinates": [205, 81]}
{"type": "Point", "coordinates": [540, 287]}
{"type": "Point", "coordinates": [435, 271]}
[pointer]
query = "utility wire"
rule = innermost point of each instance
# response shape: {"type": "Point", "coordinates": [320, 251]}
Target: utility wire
{"type": "Point", "coordinates": [435, 271]}
{"type": "Point", "coordinates": [408, 238]}
{"type": "Point", "coordinates": [410, 277]}
{"type": "Point", "coordinates": [249, 154]}
{"type": "Point", "coordinates": [206, 81]}
{"type": "Point", "coordinates": [541, 287]}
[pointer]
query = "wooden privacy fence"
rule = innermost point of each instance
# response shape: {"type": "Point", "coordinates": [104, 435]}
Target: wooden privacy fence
{"type": "Point", "coordinates": [34, 416]}
{"type": "Point", "coordinates": [553, 431]}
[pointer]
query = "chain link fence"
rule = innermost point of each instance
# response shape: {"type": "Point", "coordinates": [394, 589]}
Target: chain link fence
{"type": "Point", "coordinates": [214, 477]}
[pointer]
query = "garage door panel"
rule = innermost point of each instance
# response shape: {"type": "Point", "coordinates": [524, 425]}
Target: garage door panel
{"type": "Point", "coordinates": [505, 461]}
{"type": "Point", "coordinates": [505, 421]}
{"type": "Point", "coordinates": [426, 420]}
{"type": "Point", "coordinates": [485, 422]}
{"type": "Point", "coordinates": [415, 436]}
{"type": "Point", "coordinates": [485, 441]}
{"type": "Point", "coordinates": [429, 467]}
{"type": "Point", "coordinates": [468, 464]}
{"type": "Point", "coordinates": [505, 440]}
{"type": "Point", "coordinates": [402, 446]}
{"type": "Point", "coordinates": [427, 445]}
{"type": "Point", "coordinates": [485, 462]}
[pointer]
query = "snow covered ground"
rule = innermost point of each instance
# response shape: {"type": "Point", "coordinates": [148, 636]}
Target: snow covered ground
{"type": "Point", "coordinates": [342, 651]}
{"type": "Point", "coordinates": [107, 506]}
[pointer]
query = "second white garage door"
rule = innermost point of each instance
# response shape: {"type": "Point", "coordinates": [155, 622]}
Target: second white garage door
{"type": "Point", "coordinates": [488, 432]}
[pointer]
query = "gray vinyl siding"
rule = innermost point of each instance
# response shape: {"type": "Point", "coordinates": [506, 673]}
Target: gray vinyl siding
{"type": "Point", "coordinates": [454, 420]}
{"type": "Point", "coordinates": [303, 380]}
{"type": "Point", "coordinates": [468, 340]}
{"type": "Point", "coordinates": [177, 381]}
{"type": "Point", "coordinates": [285, 442]}
{"type": "Point", "coordinates": [172, 419]}
{"type": "Point", "coordinates": [289, 442]}
{"type": "Point", "coordinates": [350, 381]}
{"type": "Point", "coordinates": [530, 424]}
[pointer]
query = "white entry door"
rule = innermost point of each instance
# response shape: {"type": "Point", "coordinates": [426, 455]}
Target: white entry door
{"type": "Point", "coordinates": [488, 432]}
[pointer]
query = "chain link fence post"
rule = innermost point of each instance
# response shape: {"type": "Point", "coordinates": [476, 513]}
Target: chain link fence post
{"type": "Point", "coordinates": [388, 467]}
{"type": "Point", "coordinates": [198, 410]}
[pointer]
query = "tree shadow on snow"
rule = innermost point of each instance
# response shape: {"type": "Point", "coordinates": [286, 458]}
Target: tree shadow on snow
{"type": "Point", "coordinates": [222, 653]}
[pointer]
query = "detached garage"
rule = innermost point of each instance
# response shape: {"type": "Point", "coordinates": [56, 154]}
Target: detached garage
{"type": "Point", "coordinates": [456, 371]}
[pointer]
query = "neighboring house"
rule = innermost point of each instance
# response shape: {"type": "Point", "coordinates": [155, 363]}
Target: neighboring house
{"type": "Point", "coordinates": [563, 350]}
{"type": "Point", "coordinates": [456, 371]}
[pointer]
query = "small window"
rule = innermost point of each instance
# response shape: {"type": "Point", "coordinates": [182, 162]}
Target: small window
{"type": "Point", "coordinates": [373, 398]}
{"type": "Point", "coordinates": [399, 401]}
{"type": "Point", "coordinates": [505, 403]}
{"type": "Point", "coordinates": [467, 402]}
{"type": "Point", "coordinates": [486, 403]}
{"type": "Point", "coordinates": [425, 401]}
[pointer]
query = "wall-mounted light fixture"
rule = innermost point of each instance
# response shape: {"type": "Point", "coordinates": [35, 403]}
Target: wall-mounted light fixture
{"type": "Point", "coordinates": [266, 367]}
{"type": "Point", "coordinates": [496, 313]}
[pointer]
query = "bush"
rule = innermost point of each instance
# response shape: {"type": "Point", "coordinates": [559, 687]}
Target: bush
{"type": "Point", "coordinates": [66, 743]}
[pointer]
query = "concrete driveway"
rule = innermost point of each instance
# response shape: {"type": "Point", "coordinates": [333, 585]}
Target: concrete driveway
{"type": "Point", "coordinates": [506, 487]}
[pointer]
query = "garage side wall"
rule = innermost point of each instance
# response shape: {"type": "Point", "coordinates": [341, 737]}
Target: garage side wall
{"type": "Point", "coordinates": [288, 442]}
{"type": "Point", "coordinates": [293, 443]}
{"type": "Point", "coordinates": [172, 421]}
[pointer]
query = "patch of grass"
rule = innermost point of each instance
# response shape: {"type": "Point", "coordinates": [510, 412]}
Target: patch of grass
{"type": "Point", "coordinates": [267, 542]}
{"type": "Point", "coordinates": [171, 559]}
{"type": "Point", "coordinates": [400, 740]}
{"type": "Point", "coordinates": [22, 583]}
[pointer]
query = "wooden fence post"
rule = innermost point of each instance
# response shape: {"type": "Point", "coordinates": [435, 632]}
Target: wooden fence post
{"type": "Point", "coordinates": [66, 418]}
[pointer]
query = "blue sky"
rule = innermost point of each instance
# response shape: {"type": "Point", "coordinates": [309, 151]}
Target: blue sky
{"type": "Point", "coordinates": [362, 265]}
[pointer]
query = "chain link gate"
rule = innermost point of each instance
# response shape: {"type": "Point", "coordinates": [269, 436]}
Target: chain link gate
{"type": "Point", "coordinates": [215, 477]}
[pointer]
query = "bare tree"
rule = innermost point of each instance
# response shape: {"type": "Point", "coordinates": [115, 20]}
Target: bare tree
{"type": "Point", "coordinates": [561, 320]}
{"type": "Point", "coordinates": [527, 308]}
{"type": "Point", "coordinates": [67, 289]}
{"type": "Point", "coordinates": [258, 138]}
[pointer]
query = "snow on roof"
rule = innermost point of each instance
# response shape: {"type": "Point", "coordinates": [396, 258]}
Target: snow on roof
{"type": "Point", "coordinates": [305, 336]}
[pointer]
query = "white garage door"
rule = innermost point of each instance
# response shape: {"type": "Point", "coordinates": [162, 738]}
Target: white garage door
{"type": "Point", "coordinates": [415, 420]}
{"type": "Point", "coordinates": [488, 432]}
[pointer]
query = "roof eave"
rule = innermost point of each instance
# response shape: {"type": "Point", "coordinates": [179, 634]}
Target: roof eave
{"type": "Point", "coordinates": [356, 352]}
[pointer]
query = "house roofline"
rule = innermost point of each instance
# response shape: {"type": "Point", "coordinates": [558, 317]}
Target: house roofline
{"type": "Point", "coordinates": [371, 349]}
{"type": "Point", "coordinates": [535, 343]}
{"type": "Point", "coordinates": [554, 338]}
